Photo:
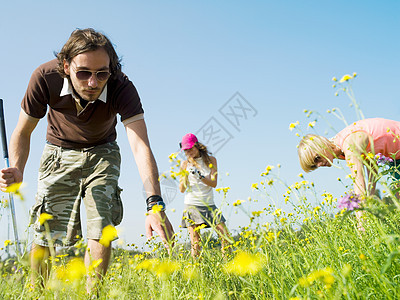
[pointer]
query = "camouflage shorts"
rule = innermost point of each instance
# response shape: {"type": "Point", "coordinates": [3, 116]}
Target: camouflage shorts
{"type": "Point", "coordinates": [67, 176]}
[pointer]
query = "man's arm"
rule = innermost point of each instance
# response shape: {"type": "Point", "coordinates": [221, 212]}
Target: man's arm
{"type": "Point", "coordinates": [18, 150]}
{"type": "Point", "coordinates": [146, 163]}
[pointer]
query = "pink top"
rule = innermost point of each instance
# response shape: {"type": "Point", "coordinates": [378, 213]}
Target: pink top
{"type": "Point", "coordinates": [382, 131]}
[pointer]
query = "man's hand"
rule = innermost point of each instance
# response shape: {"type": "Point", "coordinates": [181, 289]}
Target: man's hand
{"type": "Point", "coordinates": [158, 222]}
{"type": "Point", "coordinates": [8, 176]}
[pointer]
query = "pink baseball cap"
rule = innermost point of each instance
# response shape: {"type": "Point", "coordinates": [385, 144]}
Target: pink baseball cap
{"type": "Point", "coordinates": [188, 141]}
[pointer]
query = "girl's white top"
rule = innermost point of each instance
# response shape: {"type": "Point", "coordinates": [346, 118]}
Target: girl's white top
{"type": "Point", "coordinates": [198, 193]}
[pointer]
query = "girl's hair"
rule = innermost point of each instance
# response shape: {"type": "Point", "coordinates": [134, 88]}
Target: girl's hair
{"type": "Point", "coordinates": [85, 40]}
{"type": "Point", "coordinates": [310, 146]}
{"type": "Point", "coordinates": [204, 154]}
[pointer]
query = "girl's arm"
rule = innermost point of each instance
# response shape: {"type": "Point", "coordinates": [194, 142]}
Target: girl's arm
{"type": "Point", "coordinates": [211, 180]}
{"type": "Point", "coordinates": [183, 180]}
{"type": "Point", "coordinates": [353, 148]}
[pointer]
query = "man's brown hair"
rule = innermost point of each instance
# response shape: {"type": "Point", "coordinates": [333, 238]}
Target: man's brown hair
{"type": "Point", "coordinates": [84, 40]}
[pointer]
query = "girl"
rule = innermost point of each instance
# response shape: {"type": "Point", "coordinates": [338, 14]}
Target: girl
{"type": "Point", "coordinates": [353, 144]}
{"type": "Point", "coordinates": [200, 178]}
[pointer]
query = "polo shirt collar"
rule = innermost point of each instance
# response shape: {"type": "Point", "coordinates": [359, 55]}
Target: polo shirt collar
{"type": "Point", "coordinates": [67, 90]}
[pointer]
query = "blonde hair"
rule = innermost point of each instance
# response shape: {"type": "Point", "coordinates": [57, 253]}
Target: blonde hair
{"type": "Point", "coordinates": [204, 154]}
{"type": "Point", "coordinates": [309, 146]}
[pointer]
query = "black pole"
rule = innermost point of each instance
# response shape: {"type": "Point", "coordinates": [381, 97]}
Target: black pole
{"type": "Point", "coordinates": [3, 131]}
{"type": "Point", "coordinates": [5, 155]}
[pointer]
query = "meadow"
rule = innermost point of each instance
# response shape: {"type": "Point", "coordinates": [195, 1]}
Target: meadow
{"type": "Point", "coordinates": [315, 251]}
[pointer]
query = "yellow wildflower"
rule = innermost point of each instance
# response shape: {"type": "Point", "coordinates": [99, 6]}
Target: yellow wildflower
{"type": "Point", "coordinates": [156, 208]}
{"type": "Point", "coordinates": [148, 264]}
{"type": "Point", "coordinates": [362, 256]}
{"type": "Point", "coordinates": [225, 189]}
{"type": "Point", "coordinates": [7, 242]}
{"type": "Point", "coordinates": [277, 212]}
{"type": "Point", "coordinates": [244, 264]}
{"type": "Point", "coordinates": [44, 217]}
{"type": "Point", "coordinates": [293, 125]}
{"type": "Point", "coordinates": [164, 269]}
{"type": "Point", "coordinates": [346, 77]}
{"type": "Point", "coordinates": [254, 186]}
{"type": "Point", "coordinates": [200, 227]}
{"type": "Point", "coordinates": [324, 275]}
{"type": "Point", "coordinates": [334, 79]}
{"type": "Point", "coordinates": [238, 202]}
{"type": "Point", "coordinates": [76, 269]}
{"type": "Point", "coordinates": [172, 156]}
{"type": "Point", "coordinates": [95, 264]}
{"type": "Point", "coordinates": [270, 182]}
{"type": "Point", "coordinates": [317, 208]}
{"type": "Point", "coordinates": [108, 235]}
{"type": "Point", "coordinates": [191, 273]}
{"type": "Point", "coordinates": [256, 213]}
{"type": "Point", "coordinates": [14, 188]}
{"type": "Point", "coordinates": [311, 124]}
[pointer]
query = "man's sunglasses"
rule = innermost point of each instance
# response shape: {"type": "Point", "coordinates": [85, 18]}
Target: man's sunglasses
{"type": "Point", "coordinates": [86, 74]}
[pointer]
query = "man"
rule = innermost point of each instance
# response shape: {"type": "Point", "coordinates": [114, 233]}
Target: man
{"type": "Point", "coordinates": [83, 90]}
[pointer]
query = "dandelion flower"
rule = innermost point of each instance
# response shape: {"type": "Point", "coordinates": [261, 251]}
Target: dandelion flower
{"type": "Point", "coordinates": [7, 242]}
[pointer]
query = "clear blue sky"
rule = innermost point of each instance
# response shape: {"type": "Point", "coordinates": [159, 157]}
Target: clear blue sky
{"type": "Point", "coordinates": [187, 59]}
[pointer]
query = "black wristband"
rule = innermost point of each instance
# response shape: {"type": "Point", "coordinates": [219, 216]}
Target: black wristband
{"type": "Point", "coordinates": [154, 198]}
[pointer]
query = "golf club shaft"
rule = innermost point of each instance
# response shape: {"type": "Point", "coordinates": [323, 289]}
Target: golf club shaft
{"type": "Point", "coordinates": [7, 163]}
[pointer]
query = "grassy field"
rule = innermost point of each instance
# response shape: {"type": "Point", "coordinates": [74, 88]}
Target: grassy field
{"type": "Point", "coordinates": [315, 251]}
{"type": "Point", "coordinates": [311, 253]}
